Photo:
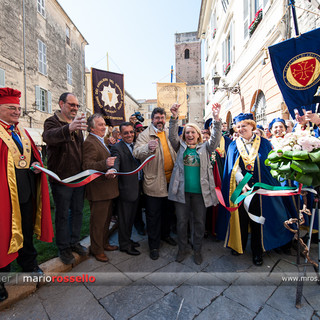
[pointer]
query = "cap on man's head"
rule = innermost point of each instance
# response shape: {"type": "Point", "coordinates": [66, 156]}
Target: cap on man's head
{"type": "Point", "coordinates": [259, 126]}
{"type": "Point", "coordinates": [243, 116]}
{"type": "Point", "coordinates": [9, 95]}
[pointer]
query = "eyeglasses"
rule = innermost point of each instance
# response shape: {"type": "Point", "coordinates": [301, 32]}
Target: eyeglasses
{"type": "Point", "coordinates": [73, 105]}
{"type": "Point", "coordinates": [127, 133]}
{"type": "Point", "coordinates": [12, 108]}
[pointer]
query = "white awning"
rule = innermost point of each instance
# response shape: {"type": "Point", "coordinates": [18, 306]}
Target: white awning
{"type": "Point", "coordinates": [36, 135]}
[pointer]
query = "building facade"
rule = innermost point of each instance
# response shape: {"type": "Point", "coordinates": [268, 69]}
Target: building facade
{"type": "Point", "coordinates": [238, 72]}
{"type": "Point", "coordinates": [188, 70]}
{"type": "Point", "coordinates": [42, 54]}
{"type": "Point", "coordinates": [146, 107]}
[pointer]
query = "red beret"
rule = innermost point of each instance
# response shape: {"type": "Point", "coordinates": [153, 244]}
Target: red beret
{"type": "Point", "coordinates": [139, 125]}
{"type": "Point", "coordinates": [9, 95]}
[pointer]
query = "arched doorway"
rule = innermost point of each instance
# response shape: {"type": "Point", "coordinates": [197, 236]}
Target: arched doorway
{"type": "Point", "coordinates": [259, 107]}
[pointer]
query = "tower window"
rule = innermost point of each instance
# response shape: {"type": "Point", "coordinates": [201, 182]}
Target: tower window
{"type": "Point", "coordinates": [186, 54]}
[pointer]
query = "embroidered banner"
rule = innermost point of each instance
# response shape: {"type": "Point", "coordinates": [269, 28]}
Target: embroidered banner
{"type": "Point", "coordinates": [108, 95]}
{"type": "Point", "coordinates": [296, 67]}
{"type": "Point", "coordinates": [170, 93]}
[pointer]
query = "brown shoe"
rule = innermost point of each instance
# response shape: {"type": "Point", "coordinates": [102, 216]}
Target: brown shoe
{"type": "Point", "coordinates": [109, 247]}
{"type": "Point", "coordinates": [101, 257]}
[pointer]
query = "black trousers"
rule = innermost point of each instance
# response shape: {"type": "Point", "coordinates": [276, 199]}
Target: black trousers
{"type": "Point", "coordinates": [126, 214]}
{"type": "Point", "coordinates": [245, 221]}
{"type": "Point", "coordinates": [158, 218]}
{"type": "Point", "coordinates": [138, 220]}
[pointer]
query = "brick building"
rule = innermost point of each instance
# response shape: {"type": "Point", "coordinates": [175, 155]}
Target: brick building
{"type": "Point", "coordinates": [188, 69]}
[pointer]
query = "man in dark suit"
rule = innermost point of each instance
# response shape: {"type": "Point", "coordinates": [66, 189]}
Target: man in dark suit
{"type": "Point", "coordinates": [101, 191]}
{"type": "Point", "coordinates": [129, 188]}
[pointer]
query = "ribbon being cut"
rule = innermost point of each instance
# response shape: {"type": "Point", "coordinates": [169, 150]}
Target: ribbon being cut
{"type": "Point", "coordinates": [87, 176]}
{"type": "Point", "coordinates": [258, 188]}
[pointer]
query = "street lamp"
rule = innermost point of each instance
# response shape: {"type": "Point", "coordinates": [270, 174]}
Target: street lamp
{"type": "Point", "coordinates": [216, 80]}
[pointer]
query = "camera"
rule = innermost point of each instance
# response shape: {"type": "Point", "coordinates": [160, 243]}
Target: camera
{"type": "Point", "coordinates": [138, 115]}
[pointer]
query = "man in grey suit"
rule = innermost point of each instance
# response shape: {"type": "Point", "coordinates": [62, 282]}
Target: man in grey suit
{"type": "Point", "coordinates": [129, 188]}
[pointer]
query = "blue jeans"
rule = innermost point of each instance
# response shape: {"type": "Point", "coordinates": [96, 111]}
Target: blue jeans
{"type": "Point", "coordinates": [69, 205]}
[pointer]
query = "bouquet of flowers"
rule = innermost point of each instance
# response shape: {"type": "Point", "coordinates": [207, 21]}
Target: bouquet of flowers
{"type": "Point", "coordinates": [296, 157]}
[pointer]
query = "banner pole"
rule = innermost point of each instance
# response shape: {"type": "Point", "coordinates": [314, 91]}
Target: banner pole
{"type": "Point", "coordinates": [294, 15]}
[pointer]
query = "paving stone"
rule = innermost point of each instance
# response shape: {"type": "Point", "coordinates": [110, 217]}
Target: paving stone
{"type": "Point", "coordinates": [168, 252]}
{"type": "Point", "coordinates": [169, 307]}
{"type": "Point", "coordinates": [170, 276]}
{"type": "Point", "coordinates": [89, 265]}
{"type": "Point", "coordinates": [55, 265]}
{"type": "Point", "coordinates": [208, 257]}
{"type": "Point", "coordinates": [224, 309]}
{"type": "Point", "coordinates": [256, 290]}
{"type": "Point", "coordinates": [311, 292]}
{"type": "Point", "coordinates": [108, 280]}
{"type": "Point", "coordinates": [230, 263]}
{"type": "Point", "coordinates": [284, 299]}
{"type": "Point", "coordinates": [29, 308]}
{"type": "Point", "coordinates": [201, 289]}
{"type": "Point", "coordinates": [132, 299]}
{"type": "Point", "coordinates": [17, 292]}
{"type": "Point", "coordinates": [270, 313]}
{"type": "Point", "coordinates": [74, 302]}
{"type": "Point", "coordinates": [139, 266]}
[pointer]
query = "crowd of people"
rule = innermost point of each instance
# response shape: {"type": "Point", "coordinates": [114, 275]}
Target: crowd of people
{"type": "Point", "coordinates": [176, 188]}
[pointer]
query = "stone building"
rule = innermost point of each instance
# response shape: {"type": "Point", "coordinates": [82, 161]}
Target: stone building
{"type": "Point", "coordinates": [236, 35]}
{"type": "Point", "coordinates": [188, 69]}
{"type": "Point", "coordinates": [147, 105]}
{"type": "Point", "coordinates": [42, 54]}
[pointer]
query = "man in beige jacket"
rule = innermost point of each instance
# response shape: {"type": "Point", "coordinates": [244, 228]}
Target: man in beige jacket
{"type": "Point", "coordinates": [157, 173]}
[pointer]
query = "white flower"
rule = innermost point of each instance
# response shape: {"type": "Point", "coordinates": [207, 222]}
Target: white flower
{"type": "Point", "coordinates": [296, 147]}
{"type": "Point", "coordinates": [286, 148]}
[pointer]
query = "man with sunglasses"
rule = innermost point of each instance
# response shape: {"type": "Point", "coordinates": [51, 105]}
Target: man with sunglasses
{"type": "Point", "coordinates": [25, 204]}
{"type": "Point", "coordinates": [63, 136]}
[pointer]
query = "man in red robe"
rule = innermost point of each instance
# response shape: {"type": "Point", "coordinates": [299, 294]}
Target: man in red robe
{"type": "Point", "coordinates": [25, 204]}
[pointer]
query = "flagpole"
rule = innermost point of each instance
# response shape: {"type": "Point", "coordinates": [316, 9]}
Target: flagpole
{"type": "Point", "coordinates": [107, 61]}
{"type": "Point", "coordinates": [294, 15]}
{"type": "Point", "coordinates": [171, 73]}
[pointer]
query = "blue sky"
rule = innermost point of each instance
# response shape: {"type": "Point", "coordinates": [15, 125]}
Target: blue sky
{"type": "Point", "coordinates": [137, 34]}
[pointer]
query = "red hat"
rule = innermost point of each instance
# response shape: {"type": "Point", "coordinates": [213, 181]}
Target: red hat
{"type": "Point", "coordinates": [139, 125]}
{"type": "Point", "coordinates": [9, 95]}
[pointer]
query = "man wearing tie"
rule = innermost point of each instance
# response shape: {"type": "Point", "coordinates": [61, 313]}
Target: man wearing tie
{"type": "Point", "coordinates": [101, 191]}
{"type": "Point", "coordinates": [25, 204]}
{"type": "Point", "coordinates": [129, 188]}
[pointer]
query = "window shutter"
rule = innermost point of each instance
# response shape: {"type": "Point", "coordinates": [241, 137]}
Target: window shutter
{"type": "Point", "coordinates": [44, 58]}
{"type": "Point", "coordinates": [223, 57]}
{"type": "Point", "coordinates": [38, 97]}
{"type": "Point", "coordinates": [245, 19]}
{"type": "Point", "coordinates": [2, 78]}
{"type": "Point", "coordinates": [49, 102]}
{"type": "Point", "coordinates": [232, 58]}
